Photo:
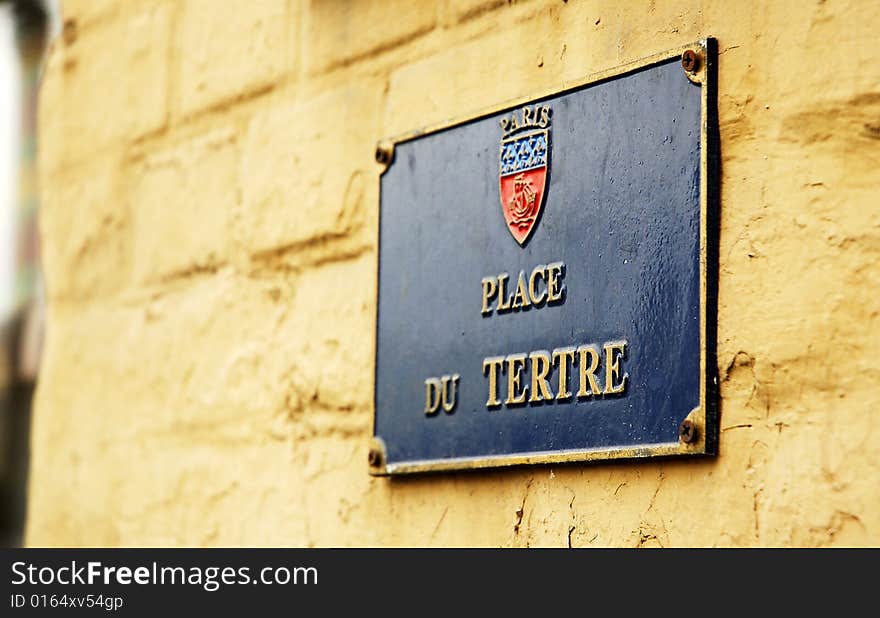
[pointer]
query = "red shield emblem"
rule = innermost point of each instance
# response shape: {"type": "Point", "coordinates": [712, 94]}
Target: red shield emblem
{"type": "Point", "coordinates": [524, 163]}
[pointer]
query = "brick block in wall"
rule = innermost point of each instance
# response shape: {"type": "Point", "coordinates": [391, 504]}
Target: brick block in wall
{"type": "Point", "coordinates": [529, 49]}
{"type": "Point", "coordinates": [132, 380]}
{"type": "Point", "coordinates": [454, 81]}
{"type": "Point", "coordinates": [208, 356]}
{"type": "Point", "coordinates": [334, 308]}
{"type": "Point", "coordinates": [228, 49]}
{"type": "Point", "coordinates": [84, 230]}
{"type": "Point", "coordinates": [337, 32]}
{"type": "Point", "coordinates": [180, 202]}
{"type": "Point", "coordinates": [304, 167]}
{"type": "Point", "coordinates": [105, 84]}
{"type": "Point", "coordinates": [220, 356]}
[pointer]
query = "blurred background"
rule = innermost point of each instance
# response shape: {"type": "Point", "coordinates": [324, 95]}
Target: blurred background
{"type": "Point", "coordinates": [26, 26]}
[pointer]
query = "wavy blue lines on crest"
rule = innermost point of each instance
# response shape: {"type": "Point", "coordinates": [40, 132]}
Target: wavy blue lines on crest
{"type": "Point", "coordinates": [524, 153]}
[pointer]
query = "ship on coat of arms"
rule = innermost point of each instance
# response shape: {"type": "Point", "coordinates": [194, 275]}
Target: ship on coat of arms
{"type": "Point", "coordinates": [524, 163]}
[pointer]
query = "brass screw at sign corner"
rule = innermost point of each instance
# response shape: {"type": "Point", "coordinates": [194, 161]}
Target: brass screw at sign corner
{"type": "Point", "coordinates": [374, 457]}
{"type": "Point", "coordinates": [690, 61]}
{"type": "Point", "coordinates": [383, 154]}
{"type": "Point", "coordinates": [687, 431]}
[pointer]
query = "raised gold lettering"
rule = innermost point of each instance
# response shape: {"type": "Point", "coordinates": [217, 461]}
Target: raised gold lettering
{"type": "Point", "coordinates": [503, 301]}
{"type": "Point", "coordinates": [540, 369]}
{"type": "Point", "coordinates": [545, 116]}
{"type": "Point", "coordinates": [513, 124]}
{"type": "Point", "coordinates": [432, 396]}
{"type": "Point", "coordinates": [493, 364]}
{"type": "Point", "coordinates": [490, 288]}
{"type": "Point", "coordinates": [531, 378]}
{"type": "Point", "coordinates": [612, 367]}
{"type": "Point", "coordinates": [587, 372]}
{"type": "Point", "coordinates": [537, 273]}
{"type": "Point", "coordinates": [563, 357]}
{"type": "Point", "coordinates": [515, 364]}
{"type": "Point", "coordinates": [541, 286]}
{"type": "Point", "coordinates": [447, 394]}
{"type": "Point", "coordinates": [555, 287]}
{"type": "Point", "coordinates": [521, 296]}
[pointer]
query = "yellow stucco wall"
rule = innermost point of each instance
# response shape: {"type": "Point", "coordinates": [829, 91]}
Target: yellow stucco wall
{"type": "Point", "coordinates": [209, 226]}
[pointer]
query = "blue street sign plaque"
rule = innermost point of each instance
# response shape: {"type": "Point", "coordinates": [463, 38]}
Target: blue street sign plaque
{"type": "Point", "coordinates": [547, 276]}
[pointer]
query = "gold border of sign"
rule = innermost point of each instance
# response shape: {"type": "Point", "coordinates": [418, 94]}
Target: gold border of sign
{"type": "Point", "coordinates": [698, 63]}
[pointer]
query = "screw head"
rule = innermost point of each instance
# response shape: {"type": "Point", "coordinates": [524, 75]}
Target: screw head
{"type": "Point", "coordinates": [690, 61]}
{"type": "Point", "coordinates": [687, 431]}
{"type": "Point", "coordinates": [383, 154]}
{"type": "Point", "coordinates": [374, 457]}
